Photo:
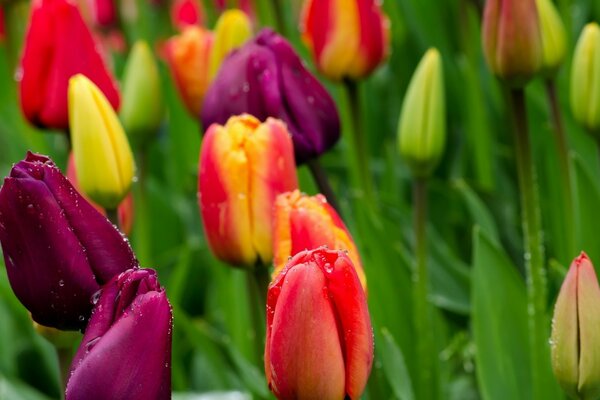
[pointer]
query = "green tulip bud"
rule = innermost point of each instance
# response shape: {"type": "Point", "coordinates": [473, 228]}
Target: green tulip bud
{"type": "Point", "coordinates": [422, 125]}
{"type": "Point", "coordinates": [554, 42]}
{"type": "Point", "coordinates": [575, 335]}
{"type": "Point", "coordinates": [585, 79]}
{"type": "Point", "coordinates": [142, 108]}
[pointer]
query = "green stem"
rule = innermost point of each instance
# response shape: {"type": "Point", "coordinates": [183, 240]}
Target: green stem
{"type": "Point", "coordinates": [257, 283]}
{"type": "Point", "coordinates": [423, 322]}
{"type": "Point", "coordinates": [322, 182]}
{"type": "Point", "coordinates": [279, 19]}
{"type": "Point", "coordinates": [65, 355]}
{"type": "Point", "coordinates": [563, 156]}
{"type": "Point", "coordinates": [532, 235]}
{"type": "Point", "coordinates": [141, 231]}
{"type": "Point", "coordinates": [359, 146]}
{"type": "Point", "coordinates": [113, 216]}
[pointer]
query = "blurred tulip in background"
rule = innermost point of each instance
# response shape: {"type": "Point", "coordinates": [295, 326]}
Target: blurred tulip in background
{"type": "Point", "coordinates": [186, 13]}
{"type": "Point", "coordinates": [319, 337]}
{"type": "Point", "coordinates": [554, 39]}
{"type": "Point", "coordinates": [58, 249]}
{"type": "Point", "coordinates": [232, 30]}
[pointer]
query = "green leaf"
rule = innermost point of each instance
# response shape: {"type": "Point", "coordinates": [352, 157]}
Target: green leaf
{"type": "Point", "coordinates": [587, 210]}
{"type": "Point", "coordinates": [15, 390]}
{"type": "Point", "coordinates": [394, 366]}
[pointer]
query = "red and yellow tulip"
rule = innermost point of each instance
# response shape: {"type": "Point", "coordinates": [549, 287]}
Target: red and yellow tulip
{"type": "Point", "coordinates": [244, 165]}
{"type": "Point", "coordinates": [304, 222]}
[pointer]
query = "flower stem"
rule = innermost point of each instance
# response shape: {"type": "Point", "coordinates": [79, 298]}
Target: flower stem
{"type": "Point", "coordinates": [65, 355]}
{"type": "Point", "coordinates": [257, 283]}
{"type": "Point", "coordinates": [279, 20]}
{"type": "Point", "coordinates": [423, 322]}
{"type": "Point", "coordinates": [359, 148]}
{"type": "Point", "coordinates": [532, 235]}
{"type": "Point", "coordinates": [322, 182]}
{"type": "Point", "coordinates": [563, 156]}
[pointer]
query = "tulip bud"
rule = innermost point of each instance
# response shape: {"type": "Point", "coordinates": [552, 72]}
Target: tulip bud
{"type": "Point", "coordinates": [512, 42]}
{"type": "Point", "coordinates": [266, 78]}
{"type": "Point", "coordinates": [142, 109]}
{"type": "Point", "coordinates": [103, 158]}
{"type": "Point", "coordinates": [2, 26]}
{"type": "Point", "coordinates": [348, 38]}
{"type": "Point", "coordinates": [125, 209]}
{"type": "Point", "coordinates": [422, 125]}
{"type": "Point", "coordinates": [575, 340]}
{"type": "Point", "coordinates": [188, 58]}
{"type": "Point", "coordinates": [126, 350]}
{"type": "Point", "coordinates": [244, 165]}
{"type": "Point", "coordinates": [232, 30]}
{"type": "Point", "coordinates": [319, 339]}
{"type": "Point", "coordinates": [304, 222]}
{"type": "Point", "coordinates": [104, 13]}
{"type": "Point", "coordinates": [554, 41]}
{"type": "Point", "coordinates": [57, 248]}
{"type": "Point", "coordinates": [186, 13]}
{"type": "Point", "coordinates": [585, 79]}
{"type": "Point", "coordinates": [57, 46]}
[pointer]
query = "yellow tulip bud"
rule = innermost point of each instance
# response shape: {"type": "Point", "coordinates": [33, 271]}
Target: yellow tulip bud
{"type": "Point", "coordinates": [554, 42]}
{"type": "Point", "coordinates": [103, 158]}
{"type": "Point", "coordinates": [142, 108]}
{"type": "Point", "coordinates": [585, 79]}
{"type": "Point", "coordinates": [232, 30]}
{"type": "Point", "coordinates": [422, 126]}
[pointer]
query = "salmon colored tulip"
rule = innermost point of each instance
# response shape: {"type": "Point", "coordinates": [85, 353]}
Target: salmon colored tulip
{"type": "Point", "coordinates": [188, 56]}
{"type": "Point", "coordinates": [348, 38]}
{"type": "Point", "coordinates": [244, 165]}
{"type": "Point", "coordinates": [319, 338]}
{"type": "Point", "coordinates": [58, 45]}
{"type": "Point", "coordinates": [304, 222]}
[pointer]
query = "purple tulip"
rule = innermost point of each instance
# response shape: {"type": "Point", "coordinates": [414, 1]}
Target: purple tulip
{"type": "Point", "coordinates": [126, 350]}
{"type": "Point", "coordinates": [266, 78]}
{"type": "Point", "coordinates": [57, 248]}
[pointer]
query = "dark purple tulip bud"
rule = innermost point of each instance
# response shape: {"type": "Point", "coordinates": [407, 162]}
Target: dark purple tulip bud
{"type": "Point", "coordinates": [126, 349]}
{"type": "Point", "coordinates": [266, 78]}
{"type": "Point", "coordinates": [57, 248]}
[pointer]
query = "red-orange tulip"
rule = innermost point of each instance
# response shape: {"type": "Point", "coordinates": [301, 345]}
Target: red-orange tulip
{"type": "Point", "coordinates": [319, 339]}
{"type": "Point", "coordinates": [348, 38]}
{"type": "Point", "coordinates": [304, 222]}
{"type": "Point", "coordinates": [244, 165]}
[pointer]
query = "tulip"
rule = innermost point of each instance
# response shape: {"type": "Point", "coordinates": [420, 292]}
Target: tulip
{"type": "Point", "coordinates": [232, 30]}
{"type": "Point", "coordinates": [244, 165]}
{"type": "Point", "coordinates": [103, 158]}
{"type": "Point", "coordinates": [554, 41]}
{"type": "Point", "coordinates": [58, 249]}
{"type": "Point", "coordinates": [125, 209]}
{"type": "Point", "coordinates": [422, 125]}
{"type": "Point", "coordinates": [512, 42]}
{"type": "Point", "coordinates": [125, 352]}
{"type": "Point", "coordinates": [585, 79]}
{"type": "Point", "coordinates": [142, 109]}
{"type": "Point", "coordinates": [304, 222]}
{"type": "Point", "coordinates": [186, 13]}
{"type": "Point", "coordinates": [2, 26]}
{"type": "Point", "coordinates": [266, 78]}
{"type": "Point", "coordinates": [319, 339]}
{"type": "Point", "coordinates": [348, 38]}
{"type": "Point", "coordinates": [575, 342]}
{"type": "Point", "coordinates": [58, 45]}
{"type": "Point", "coordinates": [188, 57]}
{"type": "Point", "coordinates": [104, 12]}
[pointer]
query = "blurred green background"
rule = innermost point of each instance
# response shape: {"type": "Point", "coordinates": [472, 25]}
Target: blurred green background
{"type": "Point", "coordinates": [474, 231]}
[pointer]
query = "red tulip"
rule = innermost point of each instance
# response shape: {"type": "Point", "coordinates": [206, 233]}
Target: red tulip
{"type": "Point", "coordinates": [185, 13]}
{"type": "Point", "coordinates": [58, 45]}
{"type": "Point", "coordinates": [319, 337]}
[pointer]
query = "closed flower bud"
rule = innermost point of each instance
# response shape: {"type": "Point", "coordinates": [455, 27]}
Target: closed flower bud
{"type": "Point", "coordinates": [103, 13]}
{"type": "Point", "coordinates": [232, 30]}
{"type": "Point", "coordinates": [244, 165]}
{"type": "Point", "coordinates": [103, 158]}
{"type": "Point", "coordinates": [575, 336]}
{"type": "Point", "coordinates": [319, 339]}
{"type": "Point", "coordinates": [125, 209]}
{"type": "Point", "coordinates": [125, 352]}
{"type": "Point", "coordinates": [188, 57]}
{"type": "Point", "coordinates": [185, 13]}
{"type": "Point", "coordinates": [512, 42]}
{"type": "Point", "coordinates": [585, 79]}
{"type": "Point", "coordinates": [58, 249]}
{"type": "Point", "coordinates": [57, 46]}
{"type": "Point", "coordinates": [422, 125]}
{"type": "Point", "coordinates": [266, 78]}
{"type": "Point", "coordinates": [142, 108]}
{"type": "Point", "coordinates": [554, 41]}
{"type": "Point", "coordinates": [348, 38]}
{"type": "Point", "coordinates": [304, 222]}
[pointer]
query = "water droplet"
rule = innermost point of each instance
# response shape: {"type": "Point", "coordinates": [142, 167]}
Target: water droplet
{"type": "Point", "coordinates": [89, 345]}
{"type": "Point", "coordinates": [61, 283]}
{"type": "Point", "coordinates": [81, 318]}
{"type": "Point", "coordinates": [96, 297]}
{"type": "Point", "coordinates": [310, 99]}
